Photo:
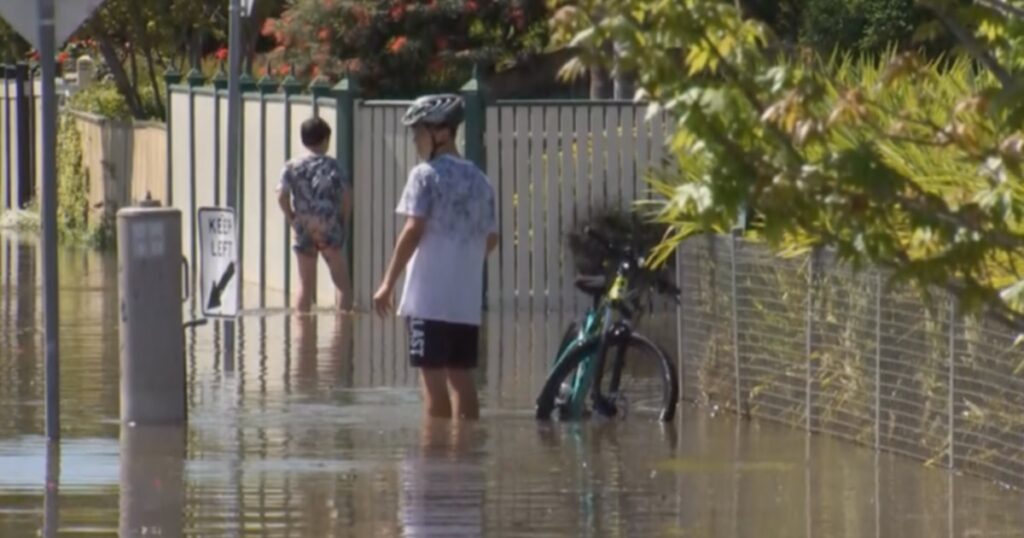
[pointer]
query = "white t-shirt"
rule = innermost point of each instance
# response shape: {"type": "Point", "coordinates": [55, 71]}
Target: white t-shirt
{"type": "Point", "coordinates": [444, 280]}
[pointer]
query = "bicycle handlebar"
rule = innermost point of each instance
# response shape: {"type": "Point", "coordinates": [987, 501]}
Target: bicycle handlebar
{"type": "Point", "coordinates": [662, 285]}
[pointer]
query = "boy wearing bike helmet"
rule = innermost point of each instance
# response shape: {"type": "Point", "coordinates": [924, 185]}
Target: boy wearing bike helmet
{"type": "Point", "coordinates": [450, 227]}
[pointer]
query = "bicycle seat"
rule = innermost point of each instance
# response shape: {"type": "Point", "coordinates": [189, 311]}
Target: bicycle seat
{"type": "Point", "coordinates": [594, 285]}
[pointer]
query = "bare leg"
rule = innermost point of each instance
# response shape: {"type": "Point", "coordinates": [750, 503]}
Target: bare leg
{"type": "Point", "coordinates": [307, 282]}
{"type": "Point", "coordinates": [462, 388]}
{"type": "Point", "coordinates": [338, 265]}
{"type": "Point", "coordinates": [436, 402]}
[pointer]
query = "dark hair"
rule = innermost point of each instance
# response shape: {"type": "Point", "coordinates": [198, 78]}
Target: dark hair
{"type": "Point", "coordinates": [314, 132]}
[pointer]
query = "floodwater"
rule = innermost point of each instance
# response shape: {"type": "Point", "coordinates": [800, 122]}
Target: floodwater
{"type": "Point", "coordinates": [313, 429]}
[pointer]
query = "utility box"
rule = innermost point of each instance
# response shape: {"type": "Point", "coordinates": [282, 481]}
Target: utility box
{"type": "Point", "coordinates": [150, 278]}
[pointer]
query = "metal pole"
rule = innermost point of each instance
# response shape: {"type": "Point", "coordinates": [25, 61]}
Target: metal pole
{"type": "Point", "coordinates": [809, 339]}
{"type": "Point", "coordinates": [878, 361]}
{"type": "Point", "coordinates": [49, 217]}
{"type": "Point", "coordinates": [234, 114]}
{"type": "Point", "coordinates": [735, 323]}
{"type": "Point", "coordinates": [952, 381]}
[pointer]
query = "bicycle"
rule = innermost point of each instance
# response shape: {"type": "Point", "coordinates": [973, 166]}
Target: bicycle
{"type": "Point", "coordinates": [579, 367]}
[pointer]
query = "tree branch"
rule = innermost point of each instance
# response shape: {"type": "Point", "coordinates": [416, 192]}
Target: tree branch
{"type": "Point", "coordinates": [976, 49]}
{"type": "Point", "coordinates": [1005, 7]}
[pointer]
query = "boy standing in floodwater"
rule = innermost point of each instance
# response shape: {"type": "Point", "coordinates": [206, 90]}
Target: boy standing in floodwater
{"type": "Point", "coordinates": [316, 198]}
{"type": "Point", "coordinates": [450, 228]}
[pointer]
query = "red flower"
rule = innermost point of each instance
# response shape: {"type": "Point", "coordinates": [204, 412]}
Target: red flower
{"type": "Point", "coordinates": [284, 70]}
{"type": "Point", "coordinates": [397, 44]}
{"type": "Point", "coordinates": [63, 57]}
{"type": "Point", "coordinates": [269, 27]}
{"type": "Point", "coordinates": [397, 12]}
{"type": "Point", "coordinates": [471, 6]}
{"type": "Point", "coordinates": [441, 43]}
{"type": "Point", "coordinates": [221, 54]}
{"type": "Point", "coordinates": [324, 34]}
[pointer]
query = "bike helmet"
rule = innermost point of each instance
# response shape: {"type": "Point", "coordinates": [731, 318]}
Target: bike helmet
{"type": "Point", "coordinates": [435, 110]}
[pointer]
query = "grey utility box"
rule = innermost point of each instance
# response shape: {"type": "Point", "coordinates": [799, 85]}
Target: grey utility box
{"type": "Point", "coordinates": [149, 267]}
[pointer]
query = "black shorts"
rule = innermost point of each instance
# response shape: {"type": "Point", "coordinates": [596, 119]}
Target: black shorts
{"type": "Point", "coordinates": [439, 344]}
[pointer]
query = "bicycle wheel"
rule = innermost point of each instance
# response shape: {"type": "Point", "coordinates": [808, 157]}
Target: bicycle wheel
{"type": "Point", "coordinates": [570, 335]}
{"type": "Point", "coordinates": [641, 379]}
{"type": "Point", "coordinates": [651, 362]}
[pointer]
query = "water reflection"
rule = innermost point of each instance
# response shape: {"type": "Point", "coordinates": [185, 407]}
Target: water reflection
{"type": "Point", "coordinates": [443, 481]}
{"type": "Point", "coordinates": [152, 481]}
{"type": "Point", "coordinates": [313, 428]}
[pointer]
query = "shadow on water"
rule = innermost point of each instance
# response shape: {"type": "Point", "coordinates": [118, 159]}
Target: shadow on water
{"type": "Point", "coordinates": [314, 429]}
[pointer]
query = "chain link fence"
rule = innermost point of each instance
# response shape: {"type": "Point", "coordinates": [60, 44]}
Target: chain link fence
{"type": "Point", "coordinates": [810, 342]}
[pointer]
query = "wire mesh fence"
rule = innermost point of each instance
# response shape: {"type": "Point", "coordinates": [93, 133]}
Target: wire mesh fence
{"type": "Point", "coordinates": [810, 342]}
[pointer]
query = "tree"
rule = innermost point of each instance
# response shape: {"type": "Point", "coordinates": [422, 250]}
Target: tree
{"type": "Point", "coordinates": [907, 164]}
{"type": "Point", "coordinates": [12, 45]}
{"type": "Point", "coordinates": [402, 47]}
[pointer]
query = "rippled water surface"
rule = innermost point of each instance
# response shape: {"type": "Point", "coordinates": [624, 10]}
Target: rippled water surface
{"type": "Point", "coordinates": [313, 429]}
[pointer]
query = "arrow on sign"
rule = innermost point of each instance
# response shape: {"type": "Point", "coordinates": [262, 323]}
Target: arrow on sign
{"type": "Point", "coordinates": [218, 287]}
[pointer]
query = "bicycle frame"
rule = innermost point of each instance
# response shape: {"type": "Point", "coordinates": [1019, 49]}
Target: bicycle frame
{"type": "Point", "coordinates": [596, 322]}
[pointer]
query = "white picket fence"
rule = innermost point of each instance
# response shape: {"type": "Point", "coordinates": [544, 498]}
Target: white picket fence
{"type": "Point", "coordinates": [552, 163]}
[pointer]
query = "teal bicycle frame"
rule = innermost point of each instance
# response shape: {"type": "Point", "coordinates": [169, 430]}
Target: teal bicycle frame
{"type": "Point", "coordinates": [595, 322]}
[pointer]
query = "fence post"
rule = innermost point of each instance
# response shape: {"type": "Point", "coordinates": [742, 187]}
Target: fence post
{"type": "Point", "coordinates": [812, 285]}
{"type": "Point", "coordinates": [878, 360]}
{"type": "Point", "coordinates": [246, 84]}
{"type": "Point", "coordinates": [952, 381]}
{"type": "Point", "coordinates": [345, 92]}
{"type": "Point", "coordinates": [8, 73]}
{"type": "Point", "coordinates": [733, 246]}
{"type": "Point", "coordinates": [26, 142]}
{"type": "Point", "coordinates": [473, 96]}
{"type": "Point", "coordinates": [319, 88]}
{"type": "Point", "coordinates": [291, 86]}
{"type": "Point", "coordinates": [194, 79]}
{"type": "Point", "coordinates": [680, 349]}
{"type": "Point", "coordinates": [220, 83]}
{"type": "Point", "coordinates": [171, 78]}
{"type": "Point", "coordinates": [245, 81]}
{"type": "Point", "coordinates": [267, 85]}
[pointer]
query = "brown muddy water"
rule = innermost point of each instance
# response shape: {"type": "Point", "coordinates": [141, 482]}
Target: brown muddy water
{"type": "Point", "coordinates": [313, 429]}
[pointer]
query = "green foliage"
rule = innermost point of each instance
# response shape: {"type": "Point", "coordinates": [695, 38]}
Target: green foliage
{"type": "Point", "coordinates": [911, 165]}
{"type": "Point", "coordinates": [102, 99]}
{"type": "Point", "coordinates": [865, 25]}
{"type": "Point", "coordinates": [12, 45]}
{"type": "Point", "coordinates": [72, 183]}
{"type": "Point", "coordinates": [404, 47]}
{"type": "Point", "coordinates": [73, 214]}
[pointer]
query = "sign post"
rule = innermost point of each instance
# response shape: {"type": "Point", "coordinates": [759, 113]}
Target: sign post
{"type": "Point", "coordinates": [234, 136]}
{"type": "Point", "coordinates": [218, 271]}
{"type": "Point", "coordinates": [44, 23]}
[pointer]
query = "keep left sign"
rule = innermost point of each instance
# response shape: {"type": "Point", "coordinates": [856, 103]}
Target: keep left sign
{"type": "Point", "coordinates": [218, 253]}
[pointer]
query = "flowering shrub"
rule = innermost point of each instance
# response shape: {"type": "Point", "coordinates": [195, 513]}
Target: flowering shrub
{"type": "Point", "coordinates": [401, 47]}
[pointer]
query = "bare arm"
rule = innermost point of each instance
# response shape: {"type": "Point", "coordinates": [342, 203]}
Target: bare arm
{"type": "Point", "coordinates": [407, 243]}
{"type": "Point", "coordinates": [284, 199]}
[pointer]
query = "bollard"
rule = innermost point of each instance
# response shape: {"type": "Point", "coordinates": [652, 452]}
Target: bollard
{"type": "Point", "coordinates": [150, 280]}
{"type": "Point", "coordinates": [152, 478]}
